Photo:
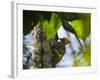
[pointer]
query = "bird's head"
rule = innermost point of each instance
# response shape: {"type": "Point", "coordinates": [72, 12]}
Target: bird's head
{"type": "Point", "coordinates": [64, 41]}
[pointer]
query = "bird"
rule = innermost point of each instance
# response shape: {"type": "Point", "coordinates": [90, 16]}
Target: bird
{"type": "Point", "coordinates": [69, 28]}
{"type": "Point", "coordinates": [57, 46]}
{"type": "Point", "coordinates": [48, 52]}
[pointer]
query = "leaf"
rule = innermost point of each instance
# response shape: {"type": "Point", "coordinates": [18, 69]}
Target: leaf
{"type": "Point", "coordinates": [51, 26]}
{"type": "Point", "coordinates": [78, 26]}
{"type": "Point", "coordinates": [87, 54]}
{"type": "Point", "coordinates": [84, 58]}
{"type": "Point", "coordinates": [82, 25]}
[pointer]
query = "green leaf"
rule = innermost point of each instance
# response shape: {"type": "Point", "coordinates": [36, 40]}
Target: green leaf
{"type": "Point", "coordinates": [51, 26]}
{"type": "Point", "coordinates": [82, 25]}
{"type": "Point", "coordinates": [78, 26]}
{"type": "Point", "coordinates": [85, 59]}
{"type": "Point", "coordinates": [87, 54]}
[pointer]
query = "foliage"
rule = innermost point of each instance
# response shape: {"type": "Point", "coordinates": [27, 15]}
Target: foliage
{"type": "Point", "coordinates": [83, 58]}
{"type": "Point", "coordinates": [78, 27]}
{"type": "Point", "coordinates": [51, 26]}
{"type": "Point", "coordinates": [82, 25]}
{"type": "Point", "coordinates": [87, 54]}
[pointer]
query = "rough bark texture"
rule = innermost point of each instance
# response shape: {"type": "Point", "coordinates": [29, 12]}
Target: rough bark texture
{"type": "Point", "coordinates": [48, 52]}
